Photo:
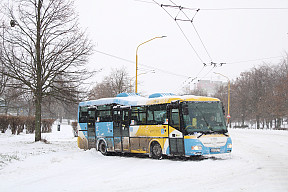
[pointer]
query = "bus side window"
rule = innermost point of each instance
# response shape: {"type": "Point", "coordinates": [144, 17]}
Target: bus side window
{"type": "Point", "coordinates": [138, 115]}
{"type": "Point", "coordinates": [150, 117]}
{"type": "Point", "coordinates": [104, 113]}
{"type": "Point", "coordinates": [83, 114]}
{"type": "Point", "coordinates": [157, 114]}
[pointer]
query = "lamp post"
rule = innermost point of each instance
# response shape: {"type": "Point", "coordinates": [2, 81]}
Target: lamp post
{"type": "Point", "coordinates": [136, 80]}
{"type": "Point", "coordinates": [228, 108]}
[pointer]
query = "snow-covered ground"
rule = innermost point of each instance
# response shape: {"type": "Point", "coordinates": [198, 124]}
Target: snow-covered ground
{"type": "Point", "coordinates": [259, 162]}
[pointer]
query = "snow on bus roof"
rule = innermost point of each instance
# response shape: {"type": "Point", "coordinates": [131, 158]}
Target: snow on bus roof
{"type": "Point", "coordinates": [130, 99]}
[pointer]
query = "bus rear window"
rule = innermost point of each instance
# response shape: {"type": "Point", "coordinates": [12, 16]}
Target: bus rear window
{"type": "Point", "coordinates": [83, 114]}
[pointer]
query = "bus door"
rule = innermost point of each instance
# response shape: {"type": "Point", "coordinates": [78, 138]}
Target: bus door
{"type": "Point", "coordinates": [176, 138]}
{"type": "Point", "coordinates": [121, 128]}
{"type": "Point", "coordinates": [91, 134]}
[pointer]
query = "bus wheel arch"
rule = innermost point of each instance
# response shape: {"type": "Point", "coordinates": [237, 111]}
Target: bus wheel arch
{"type": "Point", "coordinates": [155, 150]}
{"type": "Point", "coordinates": [102, 147]}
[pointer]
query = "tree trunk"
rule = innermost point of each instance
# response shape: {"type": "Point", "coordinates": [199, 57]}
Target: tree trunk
{"type": "Point", "coordinates": [258, 122]}
{"type": "Point", "coordinates": [267, 124]}
{"type": "Point", "coordinates": [242, 120]}
{"type": "Point", "coordinates": [38, 94]}
{"type": "Point", "coordinates": [38, 101]}
{"type": "Point", "coordinates": [278, 122]}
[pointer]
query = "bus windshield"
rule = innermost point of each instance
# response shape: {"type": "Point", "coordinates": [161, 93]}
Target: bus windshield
{"type": "Point", "coordinates": [203, 117]}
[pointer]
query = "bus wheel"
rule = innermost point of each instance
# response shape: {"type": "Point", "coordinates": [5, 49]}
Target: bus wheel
{"type": "Point", "coordinates": [156, 151]}
{"type": "Point", "coordinates": [103, 148]}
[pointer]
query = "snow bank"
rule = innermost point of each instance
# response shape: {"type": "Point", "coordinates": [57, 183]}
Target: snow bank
{"type": "Point", "coordinates": [258, 163]}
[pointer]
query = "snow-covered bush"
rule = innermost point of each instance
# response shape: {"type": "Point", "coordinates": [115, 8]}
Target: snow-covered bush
{"type": "Point", "coordinates": [18, 123]}
{"type": "Point", "coordinates": [13, 121]}
{"type": "Point", "coordinates": [47, 125]}
{"type": "Point", "coordinates": [3, 123]}
{"type": "Point", "coordinates": [30, 124]}
{"type": "Point", "coordinates": [74, 126]}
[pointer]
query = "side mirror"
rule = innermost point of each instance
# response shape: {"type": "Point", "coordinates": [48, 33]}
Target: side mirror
{"type": "Point", "coordinates": [223, 109]}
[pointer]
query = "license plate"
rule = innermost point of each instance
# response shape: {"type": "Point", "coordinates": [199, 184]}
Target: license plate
{"type": "Point", "coordinates": [214, 150]}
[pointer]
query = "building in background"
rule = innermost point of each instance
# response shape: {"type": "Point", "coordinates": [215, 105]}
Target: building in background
{"type": "Point", "coordinates": [208, 86]}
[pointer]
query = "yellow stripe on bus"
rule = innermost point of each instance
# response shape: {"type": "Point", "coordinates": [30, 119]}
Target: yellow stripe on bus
{"type": "Point", "coordinates": [152, 131]}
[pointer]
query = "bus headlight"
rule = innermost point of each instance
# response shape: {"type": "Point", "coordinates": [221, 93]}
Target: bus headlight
{"type": "Point", "coordinates": [197, 147]}
{"type": "Point", "coordinates": [229, 145]}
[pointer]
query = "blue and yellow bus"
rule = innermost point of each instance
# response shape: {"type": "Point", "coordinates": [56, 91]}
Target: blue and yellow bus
{"type": "Point", "coordinates": [162, 124]}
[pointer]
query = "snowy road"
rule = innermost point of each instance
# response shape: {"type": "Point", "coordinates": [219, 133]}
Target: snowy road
{"type": "Point", "coordinates": [259, 162]}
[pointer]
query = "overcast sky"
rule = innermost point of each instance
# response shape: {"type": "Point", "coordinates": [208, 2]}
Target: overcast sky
{"type": "Point", "coordinates": [236, 37]}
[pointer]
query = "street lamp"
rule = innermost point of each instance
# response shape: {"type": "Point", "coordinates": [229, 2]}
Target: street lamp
{"type": "Point", "coordinates": [228, 116]}
{"type": "Point", "coordinates": [136, 81]}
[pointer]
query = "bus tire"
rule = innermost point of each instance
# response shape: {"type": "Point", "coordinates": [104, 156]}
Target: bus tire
{"type": "Point", "coordinates": [156, 151]}
{"type": "Point", "coordinates": [103, 148]}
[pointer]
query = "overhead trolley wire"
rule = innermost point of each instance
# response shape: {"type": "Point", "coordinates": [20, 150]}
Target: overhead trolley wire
{"type": "Point", "coordinates": [192, 79]}
{"type": "Point", "coordinates": [240, 8]}
{"type": "Point", "coordinates": [202, 41]}
{"type": "Point", "coordinates": [219, 9]}
{"type": "Point", "coordinates": [197, 77]}
{"type": "Point", "coordinates": [110, 55]}
{"type": "Point", "coordinates": [191, 20]}
{"type": "Point", "coordinates": [207, 73]}
{"type": "Point", "coordinates": [198, 56]}
{"type": "Point", "coordinates": [130, 61]}
{"type": "Point", "coordinates": [142, 1]}
{"type": "Point", "coordinates": [246, 61]}
{"type": "Point", "coordinates": [183, 33]}
{"type": "Point", "coordinates": [190, 43]}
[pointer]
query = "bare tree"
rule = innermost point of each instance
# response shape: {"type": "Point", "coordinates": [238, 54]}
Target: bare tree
{"type": "Point", "coordinates": [11, 98]}
{"type": "Point", "coordinates": [260, 95]}
{"type": "Point", "coordinates": [3, 81]}
{"type": "Point", "coordinates": [116, 82]}
{"type": "Point", "coordinates": [279, 92]}
{"type": "Point", "coordinates": [44, 49]}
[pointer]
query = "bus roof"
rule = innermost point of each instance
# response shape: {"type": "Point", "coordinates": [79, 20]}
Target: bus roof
{"type": "Point", "coordinates": [136, 100]}
{"type": "Point", "coordinates": [169, 99]}
{"type": "Point", "coordinates": [127, 101]}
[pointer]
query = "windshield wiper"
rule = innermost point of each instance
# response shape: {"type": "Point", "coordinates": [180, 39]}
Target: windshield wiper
{"type": "Point", "coordinates": [205, 133]}
{"type": "Point", "coordinates": [201, 135]}
{"type": "Point", "coordinates": [224, 132]}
